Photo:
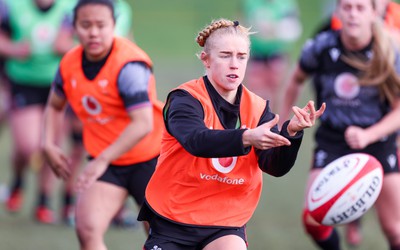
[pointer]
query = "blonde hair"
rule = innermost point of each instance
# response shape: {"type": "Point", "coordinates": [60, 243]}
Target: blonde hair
{"type": "Point", "coordinates": [380, 69]}
{"type": "Point", "coordinates": [220, 27]}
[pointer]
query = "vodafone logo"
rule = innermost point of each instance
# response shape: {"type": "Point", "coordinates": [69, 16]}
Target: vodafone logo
{"type": "Point", "coordinates": [91, 105]}
{"type": "Point", "coordinates": [224, 165]}
{"type": "Point", "coordinates": [346, 86]}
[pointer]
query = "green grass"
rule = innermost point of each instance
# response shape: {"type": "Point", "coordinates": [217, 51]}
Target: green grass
{"type": "Point", "coordinates": [166, 30]}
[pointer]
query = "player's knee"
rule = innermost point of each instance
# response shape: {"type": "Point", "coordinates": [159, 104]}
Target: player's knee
{"type": "Point", "coordinates": [86, 232]}
{"type": "Point", "coordinates": [89, 239]}
{"type": "Point", "coordinates": [317, 231]}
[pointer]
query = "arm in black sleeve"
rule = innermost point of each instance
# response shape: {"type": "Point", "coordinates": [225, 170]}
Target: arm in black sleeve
{"type": "Point", "coordinates": [309, 57]}
{"type": "Point", "coordinates": [58, 83]}
{"type": "Point", "coordinates": [279, 160]}
{"type": "Point", "coordinates": [184, 120]}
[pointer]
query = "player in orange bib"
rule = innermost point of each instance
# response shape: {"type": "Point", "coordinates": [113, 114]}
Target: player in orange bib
{"type": "Point", "coordinates": [219, 138]}
{"type": "Point", "coordinates": [108, 82]}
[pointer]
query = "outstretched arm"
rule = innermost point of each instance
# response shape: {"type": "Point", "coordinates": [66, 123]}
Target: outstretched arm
{"type": "Point", "coordinates": [278, 160]}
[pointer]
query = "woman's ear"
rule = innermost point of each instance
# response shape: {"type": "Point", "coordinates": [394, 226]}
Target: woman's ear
{"type": "Point", "coordinates": [205, 59]}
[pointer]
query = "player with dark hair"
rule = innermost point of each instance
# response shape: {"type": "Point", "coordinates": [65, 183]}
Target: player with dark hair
{"type": "Point", "coordinates": [108, 82]}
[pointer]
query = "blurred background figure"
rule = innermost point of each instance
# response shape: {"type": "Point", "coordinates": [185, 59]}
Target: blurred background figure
{"type": "Point", "coordinates": [277, 27]}
{"type": "Point", "coordinates": [389, 11]}
{"type": "Point", "coordinates": [4, 86]}
{"type": "Point", "coordinates": [355, 71]}
{"type": "Point", "coordinates": [28, 42]}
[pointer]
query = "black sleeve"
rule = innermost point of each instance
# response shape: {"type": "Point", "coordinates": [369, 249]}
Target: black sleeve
{"type": "Point", "coordinates": [184, 116]}
{"type": "Point", "coordinates": [133, 81]}
{"type": "Point", "coordinates": [309, 58]}
{"type": "Point", "coordinates": [278, 161]}
{"type": "Point", "coordinates": [58, 83]}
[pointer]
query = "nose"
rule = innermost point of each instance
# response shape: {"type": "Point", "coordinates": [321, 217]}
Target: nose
{"type": "Point", "coordinates": [94, 31]}
{"type": "Point", "coordinates": [353, 11]}
{"type": "Point", "coordinates": [234, 63]}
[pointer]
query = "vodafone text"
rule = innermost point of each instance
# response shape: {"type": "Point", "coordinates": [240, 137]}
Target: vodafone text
{"type": "Point", "coordinates": [359, 204]}
{"type": "Point", "coordinates": [225, 179]}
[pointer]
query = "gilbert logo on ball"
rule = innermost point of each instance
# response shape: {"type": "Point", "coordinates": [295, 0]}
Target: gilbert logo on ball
{"type": "Point", "coordinates": [345, 189]}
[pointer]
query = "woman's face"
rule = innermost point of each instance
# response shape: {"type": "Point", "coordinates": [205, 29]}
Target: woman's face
{"type": "Point", "coordinates": [357, 17]}
{"type": "Point", "coordinates": [226, 62]}
{"type": "Point", "coordinates": [95, 29]}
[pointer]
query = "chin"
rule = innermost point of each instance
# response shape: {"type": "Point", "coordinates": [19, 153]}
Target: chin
{"type": "Point", "coordinates": [97, 55]}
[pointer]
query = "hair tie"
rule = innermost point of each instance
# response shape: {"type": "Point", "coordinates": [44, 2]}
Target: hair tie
{"type": "Point", "coordinates": [235, 23]}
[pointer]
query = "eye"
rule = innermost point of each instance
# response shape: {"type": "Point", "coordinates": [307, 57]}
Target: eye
{"type": "Point", "coordinates": [85, 25]}
{"type": "Point", "coordinates": [360, 8]}
{"type": "Point", "coordinates": [347, 7]}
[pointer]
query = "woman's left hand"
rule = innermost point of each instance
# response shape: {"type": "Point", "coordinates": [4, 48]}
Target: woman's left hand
{"type": "Point", "coordinates": [304, 118]}
{"type": "Point", "coordinates": [356, 137]}
{"type": "Point", "coordinates": [93, 170]}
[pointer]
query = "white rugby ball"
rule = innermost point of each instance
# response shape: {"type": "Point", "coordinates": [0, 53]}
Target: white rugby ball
{"type": "Point", "coordinates": [345, 189]}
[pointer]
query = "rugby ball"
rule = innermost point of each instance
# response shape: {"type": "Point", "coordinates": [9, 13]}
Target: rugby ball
{"type": "Point", "coordinates": [345, 189]}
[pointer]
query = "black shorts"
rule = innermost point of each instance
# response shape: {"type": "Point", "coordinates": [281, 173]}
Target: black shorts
{"type": "Point", "coordinates": [168, 235]}
{"type": "Point", "coordinates": [133, 178]}
{"type": "Point", "coordinates": [24, 95]}
{"type": "Point", "coordinates": [385, 152]}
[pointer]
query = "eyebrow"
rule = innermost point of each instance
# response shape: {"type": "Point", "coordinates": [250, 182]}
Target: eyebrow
{"type": "Point", "coordinates": [229, 52]}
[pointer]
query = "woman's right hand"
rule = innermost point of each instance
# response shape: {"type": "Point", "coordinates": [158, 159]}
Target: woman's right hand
{"type": "Point", "coordinates": [263, 138]}
{"type": "Point", "coordinates": [92, 171]}
{"type": "Point", "coordinates": [58, 161]}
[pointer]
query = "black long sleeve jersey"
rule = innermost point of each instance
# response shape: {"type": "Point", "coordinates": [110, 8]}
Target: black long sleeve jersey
{"type": "Point", "coordinates": [183, 115]}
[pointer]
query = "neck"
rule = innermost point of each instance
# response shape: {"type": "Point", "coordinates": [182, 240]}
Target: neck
{"type": "Point", "coordinates": [355, 43]}
{"type": "Point", "coordinates": [98, 57]}
{"type": "Point", "coordinates": [227, 95]}
{"type": "Point", "coordinates": [95, 58]}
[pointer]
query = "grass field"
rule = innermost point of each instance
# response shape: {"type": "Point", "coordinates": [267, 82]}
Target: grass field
{"type": "Point", "coordinates": [166, 30]}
